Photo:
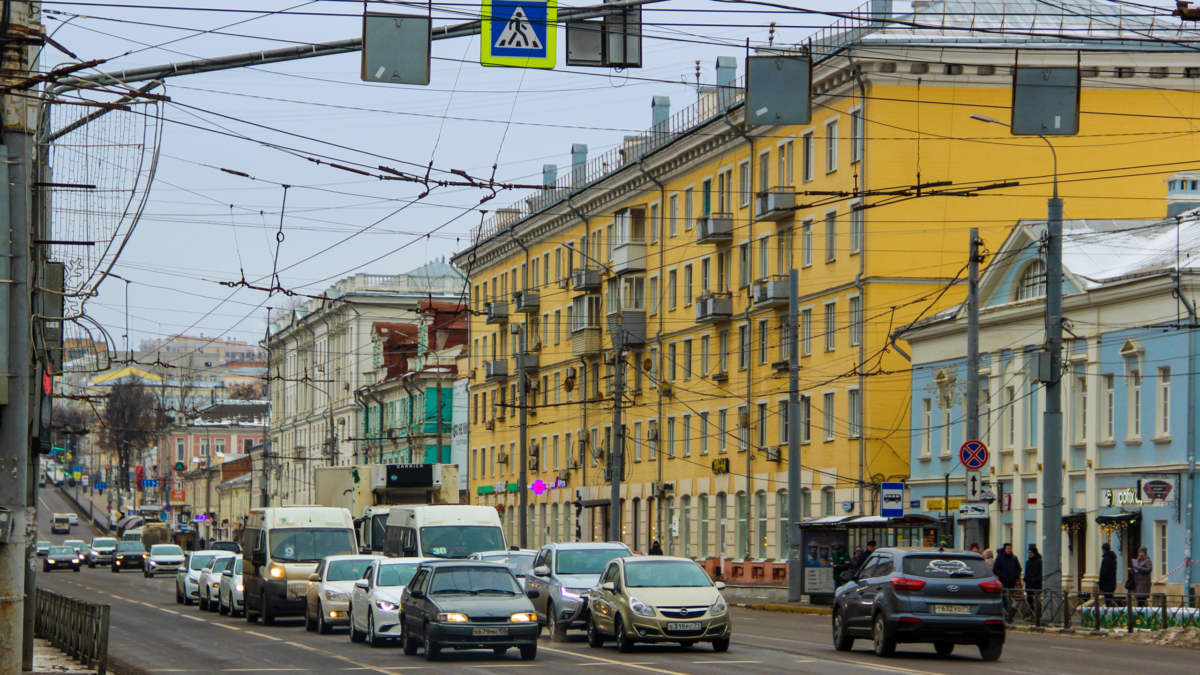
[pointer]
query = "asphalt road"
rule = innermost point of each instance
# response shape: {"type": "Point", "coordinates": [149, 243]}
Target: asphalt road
{"type": "Point", "coordinates": [150, 632]}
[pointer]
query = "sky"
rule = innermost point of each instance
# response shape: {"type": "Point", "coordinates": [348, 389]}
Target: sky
{"type": "Point", "coordinates": [202, 226]}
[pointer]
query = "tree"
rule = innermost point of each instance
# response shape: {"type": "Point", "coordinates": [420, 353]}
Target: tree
{"type": "Point", "coordinates": [247, 391]}
{"type": "Point", "coordinates": [67, 423]}
{"type": "Point", "coordinates": [129, 423]}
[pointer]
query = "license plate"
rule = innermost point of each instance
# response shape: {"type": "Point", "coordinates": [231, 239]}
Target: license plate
{"type": "Point", "coordinates": [951, 609]}
{"type": "Point", "coordinates": [683, 626]}
{"type": "Point", "coordinates": [489, 631]}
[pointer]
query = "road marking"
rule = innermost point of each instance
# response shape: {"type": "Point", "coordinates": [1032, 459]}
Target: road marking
{"type": "Point", "coordinates": [638, 663]}
{"type": "Point", "coordinates": [149, 605]}
{"type": "Point", "coordinates": [262, 635]}
{"type": "Point", "coordinates": [168, 611]}
{"type": "Point", "coordinates": [361, 666]}
{"type": "Point", "coordinates": [611, 661]}
{"type": "Point", "coordinates": [196, 618]}
{"type": "Point", "coordinates": [502, 665]}
{"type": "Point", "coordinates": [764, 637]}
{"type": "Point", "coordinates": [1067, 649]}
{"type": "Point", "coordinates": [225, 625]}
{"type": "Point", "coordinates": [265, 670]}
{"type": "Point", "coordinates": [726, 661]}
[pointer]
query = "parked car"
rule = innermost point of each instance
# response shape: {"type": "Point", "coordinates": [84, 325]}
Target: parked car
{"type": "Point", "coordinates": [61, 557]}
{"type": "Point", "coordinates": [61, 524]}
{"type": "Point", "coordinates": [42, 548]}
{"type": "Point", "coordinates": [164, 559]}
{"type": "Point", "coordinates": [467, 604]}
{"type": "Point", "coordinates": [210, 580]}
{"type": "Point", "coordinates": [229, 597]}
{"type": "Point", "coordinates": [327, 599]}
{"type": "Point", "coordinates": [375, 600]}
{"type": "Point", "coordinates": [129, 555]}
{"type": "Point", "coordinates": [658, 599]}
{"type": "Point", "coordinates": [102, 551]}
{"type": "Point", "coordinates": [519, 561]}
{"type": "Point", "coordinates": [231, 546]}
{"type": "Point", "coordinates": [564, 574]}
{"type": "Point", "coordinates": [76, 544]}
{"type": "Point", "coordinates": [187, 579]}
{"type": "Point", "coordinates": [73, 518]}
{"type": "Point", "coordinates": [913, 595]}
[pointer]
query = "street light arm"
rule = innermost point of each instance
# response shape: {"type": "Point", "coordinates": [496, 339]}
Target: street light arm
{"type": "Point", "coordinates": [992, 120]}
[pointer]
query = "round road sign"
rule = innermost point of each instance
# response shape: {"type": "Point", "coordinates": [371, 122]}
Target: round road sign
{"type": "Point", "coordinates": [973, 454]}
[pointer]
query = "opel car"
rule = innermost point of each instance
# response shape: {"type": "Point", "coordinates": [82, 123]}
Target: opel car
{"type": "Point", "coordinates": [328, 594]}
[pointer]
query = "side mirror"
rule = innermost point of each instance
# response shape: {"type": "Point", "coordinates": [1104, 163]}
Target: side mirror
{"type": "Point", "coordinates": [314, 577]}
{"type": "Point", "coordinates": [720, 585]}
{"type": "Point", "coordinates": [410, 552]}
{"type": "Point", "coordinates": [608, 586]}
{"type": "Point", "coordinates": [541, 571]}
{"type": "Point", "coordinates": [533, 593]}
{"type": "Point", "coordinates": [847, 576]}
{"type": "Point", "coordinates": [227, 573]}
{"type": "Point", "coordinates": [361, 583]}
{"type": "Point", "coordinates": [258, 558]}
{"type": "Point", "coordinates": [417, 594]}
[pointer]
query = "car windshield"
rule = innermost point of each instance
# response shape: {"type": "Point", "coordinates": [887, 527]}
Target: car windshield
{"type": "Point", "coordinates": [43, 543]}
{"type": "Point", "coordinates": [310, 544]}
{"type": "Point", "coordinates": [62, 550]}
{"type": "Point", "coordinates": [396, 575]}
{"type": "Point", "coordinates": [61, 519]}
{"type": "Point", "coordinates": [379, 527]}
{"type": "Point", "coordinates": [104, 541]}
{"type": "Point", "coordinates": [199, 561]}
{"type": "Point", "coordinates": [474, 580]}
{"type": "Point", "coordinates": [131, 547]}
{"type": "Point", "coordinates": [588, 561]}
{"type": "Point", "coordinates": [946, 567]}
{"type": "Point", "coordinates": [74, 543]}
{"type": "Point", "coordinates": [165, 549]}
{"type": "Point", "coordinates": [666, 574]}
{"type": "Point", "coordinates": [518, 563]}
{"type": "Point", "coordinates": [221, 564]}
{"type": "Point", "coordinates": [347, 570]}
{"type": "Point", "coordinates": [456, 541]}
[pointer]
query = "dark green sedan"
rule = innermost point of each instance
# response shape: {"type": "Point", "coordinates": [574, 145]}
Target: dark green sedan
{"type": "Point", "coordinates": [130, 555]}
{"type": "Point", "coordinates": [466, 604]}
{"type": "Point", "coordinates": [61, 558]}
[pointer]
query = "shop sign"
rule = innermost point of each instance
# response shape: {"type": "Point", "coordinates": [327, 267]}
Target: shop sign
{"type": "Point", "coordinates": [1158, 488]}
{"type": "Point", "coordinates": [939, 503]}
{"type": "Point", "coordinates": [485, 490]}
{"type": "Point", "coordinates": [1119, 497]}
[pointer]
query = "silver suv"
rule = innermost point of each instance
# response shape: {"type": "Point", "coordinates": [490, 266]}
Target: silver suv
{"type": "Point", "coordinates": [563, 574]}
{"type": "Point", "coordinates": [102, 551]}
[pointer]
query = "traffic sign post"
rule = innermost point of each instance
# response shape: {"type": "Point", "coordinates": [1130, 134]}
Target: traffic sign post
{"type": "Point", "coordinates": [974, 486]}
{"type": "Point", "coordinates": [519, 33]}
{"type": "Point", "coordinates": [891, 497]}
{"type": "Point", "coordinates": [973, 455]}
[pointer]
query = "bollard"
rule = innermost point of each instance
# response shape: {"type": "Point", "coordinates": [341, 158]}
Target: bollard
{"type": "Point", "coordinates": [1129, 620]}
{"type": "Point", "coordinates": [1163, 602]}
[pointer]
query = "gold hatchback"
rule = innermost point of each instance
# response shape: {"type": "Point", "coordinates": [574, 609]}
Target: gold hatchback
{"type": "Point", "coordinates": [658, 599]}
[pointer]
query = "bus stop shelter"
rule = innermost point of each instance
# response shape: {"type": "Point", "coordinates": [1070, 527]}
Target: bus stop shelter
{"type": "Point", "coordinates": [823, 537]}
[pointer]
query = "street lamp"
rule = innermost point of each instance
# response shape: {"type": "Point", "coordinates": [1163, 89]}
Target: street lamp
{"type": "Point", "coordinates": [992, 120]}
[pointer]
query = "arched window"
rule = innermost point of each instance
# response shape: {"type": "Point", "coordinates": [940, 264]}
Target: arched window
{"type": "Point", "coordinates": [1032, 283]}
{"type": "Point", "coordinates": [761, 535]}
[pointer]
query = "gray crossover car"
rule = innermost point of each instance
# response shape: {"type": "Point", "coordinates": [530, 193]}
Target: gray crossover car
{"type": "Point", "coordinates": [563, 575]}
{"type": "Point", "coordinates": [910, 595]}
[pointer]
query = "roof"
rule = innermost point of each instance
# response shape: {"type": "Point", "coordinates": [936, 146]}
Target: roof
{"type": "Point", "coordinates": [436, 269]}
{"type": "Point", "coordinates": [241, 480]}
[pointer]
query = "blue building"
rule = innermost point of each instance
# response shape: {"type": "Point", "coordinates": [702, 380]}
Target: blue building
{"type": "Point", "coordinates": [1129, 395]}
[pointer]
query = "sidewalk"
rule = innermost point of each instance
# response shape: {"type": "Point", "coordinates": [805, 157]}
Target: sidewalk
{"type": "Point", "coordinates": [48, 660]}
{"type": "Point", "coordinates": [789, 607]}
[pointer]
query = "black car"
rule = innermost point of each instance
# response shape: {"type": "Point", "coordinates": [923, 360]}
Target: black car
{"type": "Point", "coordinates": [61, 558]}
{"type": "Point", "coordinates": [231, 546]}
{"type": "Point", "coordinates": [909, 595]}
{"type": "Point", "coordinates": [129, 555]}
{"type": "Point", "coordinates": [467, 604]}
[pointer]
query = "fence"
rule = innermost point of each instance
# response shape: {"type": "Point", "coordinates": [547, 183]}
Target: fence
{"type": "Point", "coordinates": [78, 628]}
{"type": "Point", "coordinates": [1097, 611]}
{"type": "Point", "coordinates": [100, 518]}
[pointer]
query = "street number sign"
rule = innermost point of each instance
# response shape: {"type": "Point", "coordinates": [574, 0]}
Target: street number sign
{"type": "Point", "coordinates": [974, 455]}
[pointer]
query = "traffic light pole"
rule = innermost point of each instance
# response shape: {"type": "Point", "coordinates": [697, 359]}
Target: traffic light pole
{"type": "Point", "coordinates": [795, 559]}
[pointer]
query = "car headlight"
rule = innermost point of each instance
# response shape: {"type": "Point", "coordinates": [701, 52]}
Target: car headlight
{"type": "Point", "coordinates": [452, 617]}
{"type": "Point", "coordinates": [239, 588]}
{"type": "Point", "coordinates": [51, 561]}
{"type": "Point", "coordinates": [719, 607]}
{"type": "Point", "coordinates": [385, 606]}
{"type": "Point", "coordinates": [522, 617]}
{"type": "Point", "coordinates": [336, 596]}
{"type": "Point", "coordinates": [640, 608]}
{"type": "Point", "coordinates": [93, 553]}
{"type": "Point", "coordinates": [277, 572]}
{"type": "Point", "coordinates": [570, 593]}
{"type": "Point", "coordinates": [75, 560]}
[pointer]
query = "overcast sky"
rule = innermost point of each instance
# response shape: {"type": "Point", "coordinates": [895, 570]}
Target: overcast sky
{"type": "Point", "coordinates": [202, 226]}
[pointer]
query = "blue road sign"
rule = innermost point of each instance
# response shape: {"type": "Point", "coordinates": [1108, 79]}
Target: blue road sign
{"type": "Point", "coordinates": [100, 486]}
{"type": "Point", "coordinates": [891, 498]}
{"type": "Point", "coordinates": [519, 33]}
{"type": "Point", "coordinates": [149, 483]}
{"type": "Point", "coordinates": [974, 455]}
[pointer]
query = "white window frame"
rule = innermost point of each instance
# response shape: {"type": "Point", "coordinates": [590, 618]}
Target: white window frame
{"type": "Point", "coordinates": [831, 145]}
{"type": "Point", "coordinates": [828, 420]}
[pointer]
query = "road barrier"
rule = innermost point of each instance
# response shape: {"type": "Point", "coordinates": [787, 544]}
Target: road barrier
{"type": "Point", "coordinates": [99, 518]}
{"type": "Point", "coordinates": [1100, 611]}
{"type": "Point", "coordinates": [78, 628]}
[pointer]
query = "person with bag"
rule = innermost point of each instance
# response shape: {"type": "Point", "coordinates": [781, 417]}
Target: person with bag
{"type": "Point", "coordinates": [1008, 570]}
{"type": "Point", "coordinates": [1142, 568]}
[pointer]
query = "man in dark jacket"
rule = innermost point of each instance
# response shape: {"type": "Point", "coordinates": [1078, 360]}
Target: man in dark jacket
{"type": "Point", "coordinates": [1008, 570]}
{"type": "Point", "coordinates": [1108, 573]}
{"type": "Point", "coordinates": [1033, 581]}
{"type": "Point", "coordinates": [656, 548]}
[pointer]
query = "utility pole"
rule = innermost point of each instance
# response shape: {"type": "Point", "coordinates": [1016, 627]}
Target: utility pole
{"type": "Point", "coordinates": [971, 526]}
{"type": "Point", "coordinates": [1052, 421]}
{"type": "Point", "coordinates": [617, 453]}
{"type": "Point", "coordinates": [795, 561]}
{"type": "Point", "coordinates": [523, 484]}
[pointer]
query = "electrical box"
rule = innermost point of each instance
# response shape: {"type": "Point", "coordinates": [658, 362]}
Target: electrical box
{"type": "Point", "coordinates": [6, 525]}
{"type": "Point", "coordinates": [1045, 101]}
{"type": "Point", "coordinates": [396, 48]}
{"type": "Point", "coordinates": [613, 41]}
{"type": "Point", "coordinates": [1042, 367]}
{"type": "Point", "coordinates": [778, 90]}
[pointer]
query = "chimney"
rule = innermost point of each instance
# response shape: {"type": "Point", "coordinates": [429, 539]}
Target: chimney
{"type": "Point", "coordinates": [578, 163]}
{"type": "Point", "coordinates": [549, 174]}
{"type": "Point", "coordinates": [726, 71]}
{"type": "Point", "coordinates": [660, 112]}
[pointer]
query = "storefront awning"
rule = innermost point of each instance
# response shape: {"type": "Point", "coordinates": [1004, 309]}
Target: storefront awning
{"type": "Point", "coordinates": [910, 520]}
{"type": "Point", "coordinates": [1120, 519]}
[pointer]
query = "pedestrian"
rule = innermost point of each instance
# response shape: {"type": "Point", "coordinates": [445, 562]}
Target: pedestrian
{"type": "Point", "coordinates": [840, 562]}
{"type": "Point", "coordinates": [975, 548]}
{"type": "Point", "coordinates": [656, 548]}
{"type": "Point", "coordinates": [857, 560]}
{"type": "Point", "coordinates": [1142, 567]}
{"type": "Point", "coordinates": [1033, 581]}
{"type": "Point", "coordinates": [1008, 570]}
{"type": "Point", "coordinates": [1108, 573]}
{"type": "Point", "coordinates": [989, 557]}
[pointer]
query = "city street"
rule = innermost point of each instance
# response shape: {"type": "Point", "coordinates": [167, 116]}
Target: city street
{"type": "Point", "coordinates": [151, 632]}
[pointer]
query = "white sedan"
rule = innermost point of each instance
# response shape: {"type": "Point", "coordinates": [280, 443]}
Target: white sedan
{"type": "Point", "coordinates": [229, 598]}
{"type": "Point", "coordinates": [210, 579]}
{"type": "Point", "coordinates": [327, 600]}
{"type": "Point", "coordinates": [375, 602]}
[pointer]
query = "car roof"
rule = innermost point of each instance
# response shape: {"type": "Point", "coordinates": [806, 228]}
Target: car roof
{"type": "Point", "coordinates": [906, 550]}
{"type": "Point", "coordinates": [208, 551]}
{"type": "Point", "coordinates": [405, 561]}
{"type": "Point", "coordinates": [61, 546]}
{"type": "Point", "coordinates": [643, 559]}
{"type": "Point", "coordinates": [523, 551]}
{"type": "Point", "coordinates": [353, 556]}
{"type": "Point", "coordinates": [439, 564]}
{"type": "Point", "coordinates": [588, 545]}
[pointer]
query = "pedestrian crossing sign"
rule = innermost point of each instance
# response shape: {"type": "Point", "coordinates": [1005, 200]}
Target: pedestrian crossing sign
{"type": "Point", "coordinates": [519, 33]}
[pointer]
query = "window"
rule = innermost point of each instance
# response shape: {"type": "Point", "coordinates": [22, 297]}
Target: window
{"type": "Point", "coordinates": [686, 525]}
{"type": "Point", "coordinates": [704, 352]}
{"type": "Point", "coordinates": [670, 438]}
{"type": "Point", "coordinates": [764, 254]}
{"type": "Point", "coordinates": [744, 265]}
{"type": "Point", "coordinates": [673, 215]}
{"type": "Point", "coordinates": [854, 413]}
{"type": "Point", "coordinates": [204, 447]}
{"type": "Point", "coordinates": [1010, 410]}
{"type": "Point", "coordinates": [828, 414]}
{"type": "Point", "coordinates": [760, 534]}
{"type": "Point", "coordinates": [705, 275]}
{"type": "Point", "coordinates": [687, 285]}
{"type": "Point", "coordinates": [827, 506]}
{"type": "Point", "coordinates": [557, 326]}
{"type": "Point", "coordinates": [856, 321]}
{"type": "Point", "coordinates": [671, 290]}
{"type": "Point", "coordinates": [743, 347]}
{"type": "Point", "coordinates": [764, 171]}
{"type": "Point", "coordinates": [830, 326]}
{"type": "Point", "coordinates": [689, 205]}
{"type": "Point", "coordinates": [947, 428]}
{"type": "Point", "coordinates": [743, 525]}
{"type": "Point", "coordinates": [220, 445]}
{"type": "Point", "coordinates": [687, 359]}
{"type": "Point", "coordinates": [672, 360]}
{"type": "Point", "coordinates": [556, 452]}
{"type": "Point", "coordinates": [856, 135]}
{"type": "Point", "coordinates": [805, 420]}
{"type": "Point", "coordinates": [180, 450]}
{"type": "Point", "coordinates": [831, 146]}
{"type": "Point", "coordinates": [654, 297]}
{"type": "Point", "coordinates": [1161, 548]}
{"type": "Point", "coordinates": [806, 332]}
{"type": "Point", "coordinates": [806, 243]}
{"type": "Point", "coordinates": [703, 526]}
{"type": "Point", "coordinates": [763, 343]}
{"type": "Point", "coordinates": [726, 191]}
{"type": "Point", "coordinates": [761, 425]}
{"type": "Point", "coordinates": [806, 143]}
{"type": "Point", "coordinates": [783, 251]}
{"type": "Point", "coordinates": [1164, 402]}
{"type": "Point", "coordinates": [1135, 403]}
{"type": "Point", "coordinates": [1033, 281]}
{"type": "Point", "coordinates": [856, 228]}
{"type": "Point", "coordinates": [723, 352]}
{"type": "Point", "coordinates": [722, 430]}
{"type": "Point", "coordinates": [637, 441]}
{"type": "Point", "coordinates": [781, 529]}
{"type": "Point", "coordinates": [744, 183]}
{"type": "Point", "coordinates": [686, 435]}
{"type": "Point", "coordinates": [1081, 406]}
{"type": "Point", "coordinates": [785, 164]}
{"type": "Point", "coordinates": [702, 433]}
{"type": "Point", "coordinates": [1109, 407]}
{"type": "Point", "coordinates": [805, 503]}
{"type": "Point", "coordinates": [783, 422]}
{"type": "Point", "coordinates": [652, 439]}
{"type": "Point", "coordinates": [926, 427]}
{"type": "Point", "coordinates": [654, 224]}
{"type": "Point", "coordinates": [831, 236]}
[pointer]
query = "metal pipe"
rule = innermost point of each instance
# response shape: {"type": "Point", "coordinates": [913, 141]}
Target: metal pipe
{"type": "Point", "coordinates": [523, 413]}
{"type": "Point", "coordinates": [662, 246]}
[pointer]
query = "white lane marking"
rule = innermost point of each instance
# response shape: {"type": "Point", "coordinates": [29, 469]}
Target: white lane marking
{"type": "Point", "coordinates": [148, 605]}
{"type": "Point", "coordinates": [193, 618]}
{"type": "Point", "coordinates": [501, 665]}
{"type": "Point", "coordinates": [1066, 649]}
{"type": "Point", "coordinates": [168, 611]}
{"type": "Point", "coordinates": [613, 662]}
{"type": "Point", "coordinates": [263, 635]}
{"type": "Point", "coordinates": [726, 661]}
{"type": "Point", "coordinates": [225, 625]}
{"type": "Point", "coordinates": [265, 670]}
{"type": "Point", "coordinates": [637, 663]}
{"type": "Point", "coordinates": [363, 666]}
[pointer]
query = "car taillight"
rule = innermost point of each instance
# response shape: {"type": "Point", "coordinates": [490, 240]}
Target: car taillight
{"type": "Point", "coordinates": [993, 622]}
{"type": "Point", "coordinates": [906, 584]}
{"type": "Point", "coordinates": [992, 587]}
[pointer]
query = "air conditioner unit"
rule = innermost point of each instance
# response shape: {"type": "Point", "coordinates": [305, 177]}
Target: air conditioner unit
{"type": "Point", "coordinates": [515, 328]}
{"type": "Point", "coordinates": [562, 282]}
{"type": "Point", "coordinates": [570, 373]}
{"type": "Point", "coordinates": [572, 463]}
{"type": "Point", "coordinates": [535, 344]}
{"type": "Point", "coordinates": [490, 425]}
{"type": "Point", "coordinates": [772, 452]}
{"type": "Point", "coordinates": [502, 457]}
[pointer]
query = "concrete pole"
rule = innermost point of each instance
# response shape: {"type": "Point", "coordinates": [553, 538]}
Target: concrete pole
{"type": "Point", "coordinates": [1052, 424]}
{"type": "Point", "coordinates": [971, 527]}
{"type": "Point", "coordinates": [523, 483]}
{"type": "Point", "coordinates": [618, 448]}
{"type": "Point", "coordinates": [795, 561]}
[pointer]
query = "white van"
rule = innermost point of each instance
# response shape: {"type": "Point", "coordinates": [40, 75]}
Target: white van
{"type": "Point", "coordinates": [442, 531]}
{"type": "Point", "coordinates": [281, 547]}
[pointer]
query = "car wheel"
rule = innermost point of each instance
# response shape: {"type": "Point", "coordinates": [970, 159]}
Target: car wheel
{"type": "Point", "coordinates": [528, 652]}
{"type": "Point", "coordinates": [77, 569]}
{"type": "Point", "coordinates": [310, 624]}
{"type": "Point", "coordinates": [885, 645]}
{"type": "Point", "coordinates": [178, 595]}
{"type": "Point", "coordinates": [145, 574]}
{"type": "Point", "coordinates": [841, 640]}
{"type": "Point", "coordinates": [115, 569]}
{"type": "Point", "coordinates": [203, 603]}
{"type": "Point", "coordinates": [943, 648]}
{"type": "Point", "coordinates": [595, 638]}
{"type": "Point", "coordinates": [268, 612]}
{"type": "Point", "coordinates": [374, 639]}
{"type": "Point", "coordinates": [251, 617]}
{"type": "Point", "coordinates": [721, 645]}
{"type": "Point", "coordinates": [991, 649]}
{"type": "Point", "coordinates": [355, 635]}
{"type": "Point", "coordinates": [187, 599]}
{"type": "Point", "coordinates": [322, 627]}
{"type": "Point", "coordinates": [221, 608]}
{"type": "Point", "coordinates": [624, 644]}
{"type": "Point", "coordinates": [91, 565]}
{"type": "Point", "coordinates": [432, 649]}
{"type": "Point", "coordinates": [406, 642]}
{"type": "Point", "coordinates": [558, 631]}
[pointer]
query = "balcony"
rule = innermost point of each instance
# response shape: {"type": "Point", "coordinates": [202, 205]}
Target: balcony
{"type": "Point", "coordinates": [586, 279]}
{"type": "Point", "coordinates": [495, 370]}
{"type": "Point", "coordinates": [627, 327]}
{"type": "Point", "coordinates": [714, 228]}
{"type": "Point", "coordinates": [527, 302]}
{"type": "Point", "coordinates": [496, 312]}
{"type": "Point", "coordinates": [771, 292]}
{"type": "Point", "coordinates": [629, 257]}
{"type": "Point", "coordinates": [585, 341]}
{"type": "Point", "coordinates": [778, 203]}
{"type": "Point", "coordinates": [714, 307]}
{"type": "Point", "coordinates": [527, 361]}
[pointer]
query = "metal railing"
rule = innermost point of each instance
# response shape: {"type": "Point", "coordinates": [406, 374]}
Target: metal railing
{"type": "Point", "coordinates": [1100, 611]}
{"type": "Point", "coordinates": [78, 628]}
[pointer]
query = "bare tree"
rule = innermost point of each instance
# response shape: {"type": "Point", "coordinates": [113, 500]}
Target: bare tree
{"type": "Point", "coordinates": [129, 423]}
{"type": "Point", "coordinates": [247, 391]}
{"type": "Point", "coordinates": [286, 306]}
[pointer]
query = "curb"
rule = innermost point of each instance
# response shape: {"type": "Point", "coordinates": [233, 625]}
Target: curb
{"type": "Point", "coordinates": [789, 609]}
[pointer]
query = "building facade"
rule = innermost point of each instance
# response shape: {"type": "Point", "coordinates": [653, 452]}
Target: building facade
{"type": "Point", "coordinates": [675, 247]}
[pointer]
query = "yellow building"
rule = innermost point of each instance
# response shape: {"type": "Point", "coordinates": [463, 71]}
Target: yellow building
{"type": "Point", "coordinates": [680, 239]}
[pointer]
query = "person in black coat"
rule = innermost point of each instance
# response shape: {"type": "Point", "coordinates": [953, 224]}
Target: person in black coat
{"type": "Point", "coordinates": [1033, 580]}
{"type": "Point", "coordinates": [1108, 573]}
{"type": "Point", "coordinates": [656, 548]}
{"type": "Point", "coordinates": [1008, 570]}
